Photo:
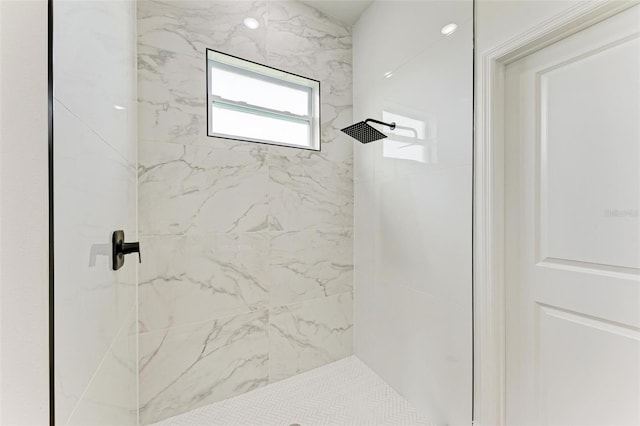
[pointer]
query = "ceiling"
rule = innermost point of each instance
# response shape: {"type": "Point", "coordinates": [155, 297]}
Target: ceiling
{"type": "Point", "coordinates": [347, 11]}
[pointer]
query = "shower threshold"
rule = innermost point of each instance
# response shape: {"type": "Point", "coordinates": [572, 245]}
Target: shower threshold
{"type": "Point", "coordinates": [345, 392]}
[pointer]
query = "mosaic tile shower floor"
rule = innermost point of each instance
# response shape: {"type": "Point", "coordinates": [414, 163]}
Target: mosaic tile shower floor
{"type": "Point", "coordinates": [343, 393]}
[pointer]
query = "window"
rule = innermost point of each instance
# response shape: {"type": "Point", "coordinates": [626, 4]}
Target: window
{"type": "Point", "coordinates": [252, 102]}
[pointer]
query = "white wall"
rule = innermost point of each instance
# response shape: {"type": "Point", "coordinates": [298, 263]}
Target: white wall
{"type": "Point", "coordinates": [24, 372]}
{"type": "Point", "coordinates": [501, 20]}
{"type": "Point", "coordinates": [413, 203]}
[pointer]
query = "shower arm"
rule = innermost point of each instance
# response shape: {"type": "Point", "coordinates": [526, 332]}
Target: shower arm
{"type": "Point", "coordinates": [389, 125]}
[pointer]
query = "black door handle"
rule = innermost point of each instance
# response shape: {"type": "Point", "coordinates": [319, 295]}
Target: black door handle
{"type": "Point", "coordinates": [120, 249]}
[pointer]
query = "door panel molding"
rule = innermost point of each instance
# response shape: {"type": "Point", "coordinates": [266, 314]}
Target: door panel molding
{"type": "Point", "coordinates": [488, 247]}
{"type": "Point", "coordinates": [590, 321]}
{"type": "Point", "coordinates": [560, 372]}
{"type": "Point", "coordinates": [547, 246]}
{"type": "Point", "coordinates": [589, 268]}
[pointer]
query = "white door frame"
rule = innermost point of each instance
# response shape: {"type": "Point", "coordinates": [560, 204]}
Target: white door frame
{"type": "Point", "coordinates": [488, 247]}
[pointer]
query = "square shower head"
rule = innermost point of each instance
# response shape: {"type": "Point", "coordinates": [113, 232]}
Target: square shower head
{"type": "Point", "coordinates": [364, 132]}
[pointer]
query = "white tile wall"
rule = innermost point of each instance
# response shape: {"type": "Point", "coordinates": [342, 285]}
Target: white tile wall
{"type": "Point", "coordinates": [413, 203]}
{"type": "Point", "coordinates": [95, 194]}
{"type": "Point", "coordinates": [92, 301]}
{"type": "Point", "coordinates": [112, 394]}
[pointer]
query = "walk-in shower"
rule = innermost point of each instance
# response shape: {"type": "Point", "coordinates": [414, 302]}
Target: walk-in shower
{"type": "Point", "coordinates": [267, 270]}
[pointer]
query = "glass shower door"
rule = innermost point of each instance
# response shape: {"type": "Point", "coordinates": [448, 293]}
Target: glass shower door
{"type": "Point", "coordinates": [94, 195]}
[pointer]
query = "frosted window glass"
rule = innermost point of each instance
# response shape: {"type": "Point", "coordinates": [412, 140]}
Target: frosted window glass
{"type": "Point", "coordinates": [242, 87]}
{"type": "Point", "coordinates": [251, 102]}
{"type": "Point", "coordinates": [238, 124]}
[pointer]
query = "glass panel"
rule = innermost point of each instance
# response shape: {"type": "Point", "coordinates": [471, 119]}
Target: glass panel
{"type": "Point", "coordinates": [413, 196]}
{"type": "Point", "coordinates": [95, 193]}
{"type": "Point", "coordinates": [246, 125]}
{"type": "Point", "coordinates": [244, 86]}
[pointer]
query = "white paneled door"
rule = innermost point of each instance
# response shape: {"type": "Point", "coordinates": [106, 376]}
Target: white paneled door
{"type": "Point", "coordinates": [572, 191]}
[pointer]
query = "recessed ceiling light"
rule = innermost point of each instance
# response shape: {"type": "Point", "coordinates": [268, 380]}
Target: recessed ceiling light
{"type": "Point", "coordinates": [251, 23]}
{"type": "Point", "coordinates": [119, 107]}
{"type": "Point", "coordinates": [449, 29]}
{"type": "Point", "coordinates": [388, 74]}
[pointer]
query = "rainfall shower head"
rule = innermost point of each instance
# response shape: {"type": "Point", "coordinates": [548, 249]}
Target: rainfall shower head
{"type": "Point", "coordinates": [366, 133]}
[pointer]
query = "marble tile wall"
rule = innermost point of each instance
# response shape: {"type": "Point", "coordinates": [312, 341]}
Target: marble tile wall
{"type": "Point", "coordinates": [247, 249]}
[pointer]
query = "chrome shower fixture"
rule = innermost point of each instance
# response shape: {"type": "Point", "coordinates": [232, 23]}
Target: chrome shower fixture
{"type": "Point", "coordinates": [365, 133]}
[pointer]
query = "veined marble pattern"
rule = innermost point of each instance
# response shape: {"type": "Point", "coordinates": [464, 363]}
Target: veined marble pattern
{"type": "Point", "coordinates": [301, 200]}
{"type": "Point", "coordinates": [310, 264]}
{"type": "Point", "coordinates": [186, 367]}
{"type": "Point", "coordinates": [172, 100]}
{"type": "Point", "coordinates": [337, 148]}
{"type": "Point", "coordinates": [171, 96]}
{"type": "Point", "coordinates": [187, 279]}
{"type": "Point", "coordinates": [172, 39]}
{"type": "Point", "coordinates": [303, 40]}
{"type": "Point", "coordinates": [247, 247]}
{"type": "Point", "coordinates": [194, 189]}
{"type": "Point", "coordinates": [189, 27]}
{"type": "Point", "coordinates": [309, 334]}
